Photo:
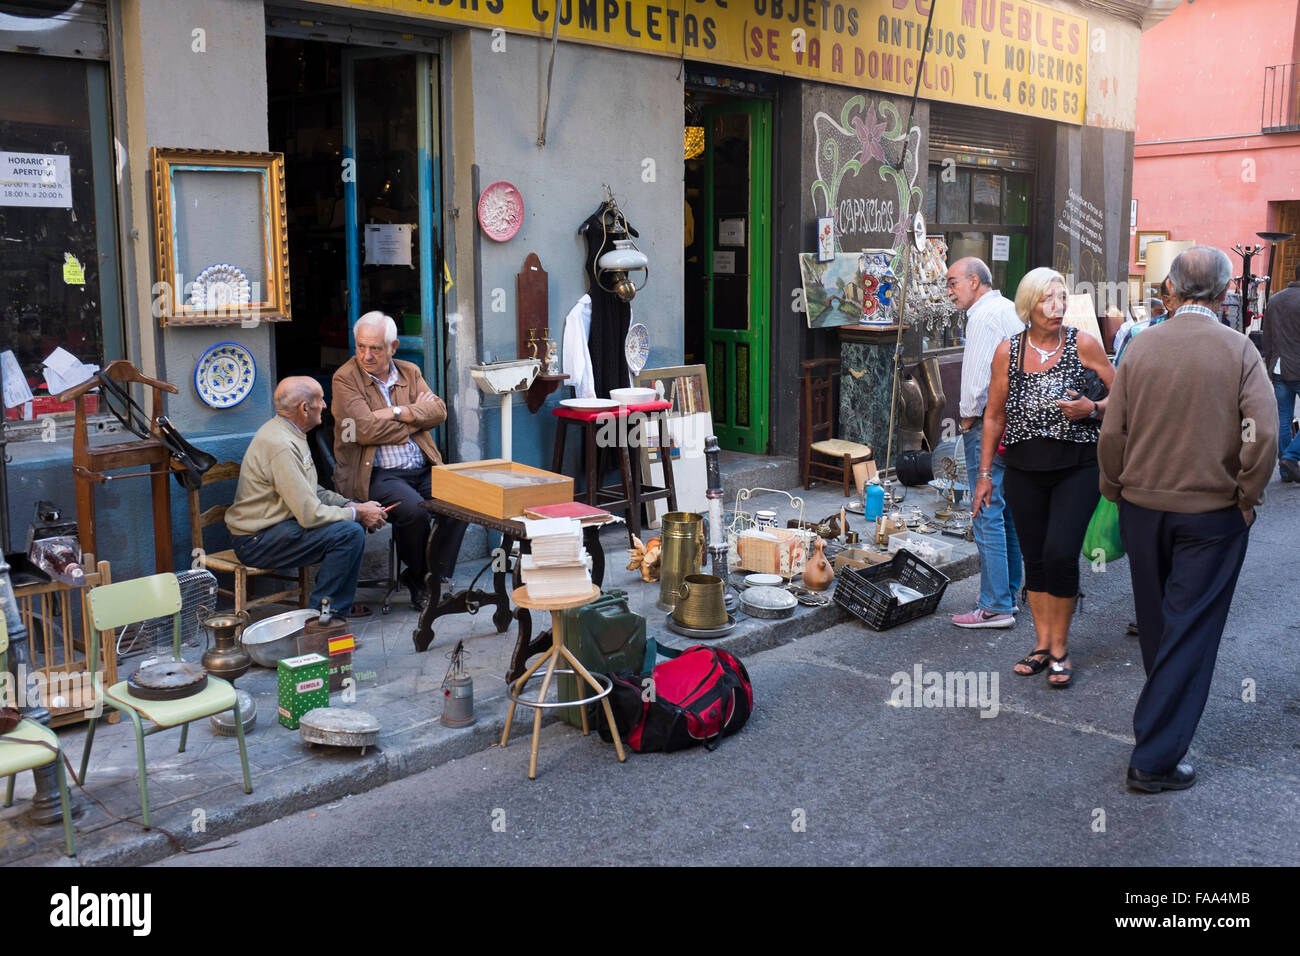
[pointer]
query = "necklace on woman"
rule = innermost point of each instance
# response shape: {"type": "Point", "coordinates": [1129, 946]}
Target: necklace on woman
{"type": "Point", "coordinates": [1043, 353]}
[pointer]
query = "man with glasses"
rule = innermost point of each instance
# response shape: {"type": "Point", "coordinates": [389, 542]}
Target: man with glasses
{"type": "Point", "coordinates": [990, 319]}
{"type": "Point", "coordinates": [383, 410]}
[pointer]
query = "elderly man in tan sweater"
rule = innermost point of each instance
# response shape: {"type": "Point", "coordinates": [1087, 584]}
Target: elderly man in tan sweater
{"type": "Point", "coordinates": [1186, 448]}
{"type": "Point", "coordinates": [282, 518]}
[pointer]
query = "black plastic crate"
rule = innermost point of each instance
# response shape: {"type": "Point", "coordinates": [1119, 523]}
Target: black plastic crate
{"type": "Point", "coordinates": [862, 593]}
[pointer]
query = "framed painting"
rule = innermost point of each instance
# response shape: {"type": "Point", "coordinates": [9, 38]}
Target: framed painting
{"type": "Point", "coordinates": [1145, 236]}
{"type": "Point", "coordinates": [832, 290]}
{"type": "Point", "coordinates": [221, 242]}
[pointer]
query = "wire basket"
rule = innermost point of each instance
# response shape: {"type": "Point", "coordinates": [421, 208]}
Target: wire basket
{"type": "Point", "coordinates": [864, 592]}
{"type": "Point", "coordinates": [782, 551]}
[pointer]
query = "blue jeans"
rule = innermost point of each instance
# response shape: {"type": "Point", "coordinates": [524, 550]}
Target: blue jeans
{"type": "Point", "coordinates": [337, 546]}
{"type": "Point", "coordinates": [1286, 393]}
{"type": "Point", "coordinates": [995, 535]}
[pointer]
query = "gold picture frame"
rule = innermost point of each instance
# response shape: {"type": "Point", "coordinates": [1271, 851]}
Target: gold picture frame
{"type": "Point", "coordinates": [221, 239]}
{"type": "Point", "coordinates": [1143, 237]}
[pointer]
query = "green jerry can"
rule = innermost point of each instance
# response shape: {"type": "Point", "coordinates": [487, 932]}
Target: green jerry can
{"type": "Point", "coordinates": [607, 638]}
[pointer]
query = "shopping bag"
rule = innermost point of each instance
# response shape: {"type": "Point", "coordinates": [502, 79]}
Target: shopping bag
{"type": "Point", "coordinates": [1103, 533]}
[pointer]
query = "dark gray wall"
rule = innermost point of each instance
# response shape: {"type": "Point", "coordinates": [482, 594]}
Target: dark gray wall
{"type": "Point", "coordinates": [1088, 204]}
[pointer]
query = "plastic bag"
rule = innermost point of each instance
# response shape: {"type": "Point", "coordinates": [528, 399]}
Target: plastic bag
{"type": "Point", "coordinates": [1103, 533]}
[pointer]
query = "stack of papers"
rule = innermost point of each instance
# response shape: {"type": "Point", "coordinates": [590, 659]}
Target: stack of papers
{"type": "Point", "coordinates": [559, 566]}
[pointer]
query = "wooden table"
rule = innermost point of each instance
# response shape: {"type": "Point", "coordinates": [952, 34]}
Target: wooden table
{"type": "Point", "coordinates": [557, 607]}
{"type": "Point", "coordinates": [470, 600]}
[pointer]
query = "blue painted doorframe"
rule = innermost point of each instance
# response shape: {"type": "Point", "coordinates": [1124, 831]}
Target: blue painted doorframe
{"type": "Point", "coordinates": [426, 348]}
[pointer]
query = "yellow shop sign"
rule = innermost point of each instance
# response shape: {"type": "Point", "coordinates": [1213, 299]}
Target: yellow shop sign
{"type": "Point", "coordinates": [999, 54]}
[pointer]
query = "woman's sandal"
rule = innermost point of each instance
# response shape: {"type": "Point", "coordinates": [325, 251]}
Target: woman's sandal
{"type": "Point", "coordinates": [1035, 664]}
{"type": "Point", "coordinates": [1057, 670]}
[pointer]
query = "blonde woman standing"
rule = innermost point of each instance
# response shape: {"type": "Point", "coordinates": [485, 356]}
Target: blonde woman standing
{"type": "Point", "coordinates": [1049, 429]}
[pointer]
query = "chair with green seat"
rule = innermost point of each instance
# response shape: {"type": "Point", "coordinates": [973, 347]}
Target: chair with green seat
{"type": "Point", "coordinates": [30, 746]}
{"type": "Point", "coordinates": [129, 602]}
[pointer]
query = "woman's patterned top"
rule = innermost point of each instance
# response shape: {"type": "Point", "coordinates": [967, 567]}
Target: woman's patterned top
{"type": "Point", "coordinates": [1032, 411]}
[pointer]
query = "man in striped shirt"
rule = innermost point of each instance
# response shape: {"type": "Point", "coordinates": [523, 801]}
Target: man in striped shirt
{"type": "Point", "coordinates": [990, 319]}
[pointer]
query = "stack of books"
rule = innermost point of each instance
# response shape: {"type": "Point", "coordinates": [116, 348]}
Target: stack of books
{"type": "Point", "coordinates": [559, 566]}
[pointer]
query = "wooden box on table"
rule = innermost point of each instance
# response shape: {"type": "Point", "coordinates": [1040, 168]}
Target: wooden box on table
{"type": "Point", "coordinates": [499, 488]}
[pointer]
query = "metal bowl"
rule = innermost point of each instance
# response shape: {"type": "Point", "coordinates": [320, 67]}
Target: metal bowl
{"type": "Point", "coordinates": [768, 602]}
{"type": "Point", "coordinates": [270, 641]}
{"type": "Point", "coordinates": [223, 724]}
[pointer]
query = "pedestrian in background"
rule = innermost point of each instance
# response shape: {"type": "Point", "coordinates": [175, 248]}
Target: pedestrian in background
{"type": "Point", "coordinates": [1035, 393]}
{"type": "Point", "coordinates": [990, 319]}
{"type": "Point", "coordinates": [1186, 451]}
{"type": "Point", "coordinates": [1281, 350]}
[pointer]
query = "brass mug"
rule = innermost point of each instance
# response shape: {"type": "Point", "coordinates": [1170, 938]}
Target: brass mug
{"type": "Point", "coordinates": [681, 537]}
{"type": "Point", "coordinates": [701, 604]}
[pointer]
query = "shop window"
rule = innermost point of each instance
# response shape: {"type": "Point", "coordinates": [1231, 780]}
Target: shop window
{"type": "Point", "coordinates": [58, 260]}
{"type": "Point", "coordinates": [954, 196]}
{"type": "Point", "coordinates": [973, 210]}
{"type": "Point", "coordinates": [986, 198]}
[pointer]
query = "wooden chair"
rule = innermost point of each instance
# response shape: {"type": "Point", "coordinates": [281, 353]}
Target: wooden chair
{"type": "Point", "coordinates": [57, 619]}
{"type": "Point", "coordinates": [226, 562]}
{"type": "Point", "coordinates": [90, 465]}
{"type": "Point", "coordinates": [115, 605]}
{"type": "Point", "coordinates": [820, 404]}
{"type": "Point", "coordinates": [30, 746]}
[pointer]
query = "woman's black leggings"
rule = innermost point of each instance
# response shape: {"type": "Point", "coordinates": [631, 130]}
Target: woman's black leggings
{"type": "Point", "coordinates": [1051, 510]}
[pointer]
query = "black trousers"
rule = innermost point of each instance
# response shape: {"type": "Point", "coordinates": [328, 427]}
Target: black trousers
{"type": "Point", "coordinates": [1184, 569]}
{"type": "Point", "coordinates": [1051, 510]}
{"type": "Point", "coordinates": [407, 488]}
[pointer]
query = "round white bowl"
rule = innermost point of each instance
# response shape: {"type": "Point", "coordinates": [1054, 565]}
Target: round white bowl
{"type": "Point", "coordinates": [632, 396]}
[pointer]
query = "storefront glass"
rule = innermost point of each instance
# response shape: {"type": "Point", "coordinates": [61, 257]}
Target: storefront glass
{"type": "Point", "coordinates": [58, 262]}
{"type": "Point", "coordinates": [981, 213]}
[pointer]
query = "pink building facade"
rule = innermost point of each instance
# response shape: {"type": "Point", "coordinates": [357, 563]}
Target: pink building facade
{"type": "Point", "coordinates": [1217, 151]}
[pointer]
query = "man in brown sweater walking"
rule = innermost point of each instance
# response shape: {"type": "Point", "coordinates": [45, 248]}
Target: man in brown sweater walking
{"type": "Point", "coordinates": [1186, 448]}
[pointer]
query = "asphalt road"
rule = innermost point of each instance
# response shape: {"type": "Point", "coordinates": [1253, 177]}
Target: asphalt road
{"type": "Point", "coordinates": [829, 771]}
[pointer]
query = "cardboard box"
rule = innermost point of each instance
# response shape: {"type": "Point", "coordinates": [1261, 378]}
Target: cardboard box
{"type": "Point", "coordinates": [499, 488]}
{"type": "Point", "coordinates": [304, 684]}
{"type": "Point", "coordinates": [859, 558]}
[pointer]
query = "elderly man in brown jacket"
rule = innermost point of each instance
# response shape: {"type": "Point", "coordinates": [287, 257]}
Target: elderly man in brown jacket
{"type": "Point", "coordinates": [383, 410]}
{"type": "Point", "coordinates": [1186, 448]}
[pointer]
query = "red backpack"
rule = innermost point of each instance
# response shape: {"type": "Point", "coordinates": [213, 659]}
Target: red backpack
{"type": "Point", "coordinates": [698, 695]}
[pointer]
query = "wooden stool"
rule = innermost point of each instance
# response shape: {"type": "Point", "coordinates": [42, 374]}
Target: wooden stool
{"type": "Point", "coordinates": [632, 493]}
{"type": "Point", "coordinates": [557, 607]}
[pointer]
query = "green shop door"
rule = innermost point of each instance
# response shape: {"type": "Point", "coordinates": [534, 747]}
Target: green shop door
{"type": "Point", "coordinates": [737, 268]}
{"type": "Point", "coordinates": [392, 203]}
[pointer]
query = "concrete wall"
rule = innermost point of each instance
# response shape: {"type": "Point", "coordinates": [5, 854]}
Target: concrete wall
{"type": "Point", "coordinates": [614, 118]}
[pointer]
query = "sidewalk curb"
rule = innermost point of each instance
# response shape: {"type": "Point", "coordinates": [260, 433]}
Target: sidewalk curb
{"type": "Point", "coordinates": [335, 773]}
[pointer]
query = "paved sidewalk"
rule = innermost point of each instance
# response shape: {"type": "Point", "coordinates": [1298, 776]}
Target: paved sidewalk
{"type": "Point", "coordinates": [198, 796]}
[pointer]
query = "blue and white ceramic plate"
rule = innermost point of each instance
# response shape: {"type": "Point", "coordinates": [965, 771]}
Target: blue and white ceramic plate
{"type": "Point", "coordinates": [225, 375]}
{"type": "Point", "coordinates": [637, 347]}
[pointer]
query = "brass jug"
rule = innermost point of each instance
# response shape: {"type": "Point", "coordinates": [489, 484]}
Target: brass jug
{"type": "Point", "coordinates": [228, 660]}
{"type": "Point", "coordinates": [682, 540]}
